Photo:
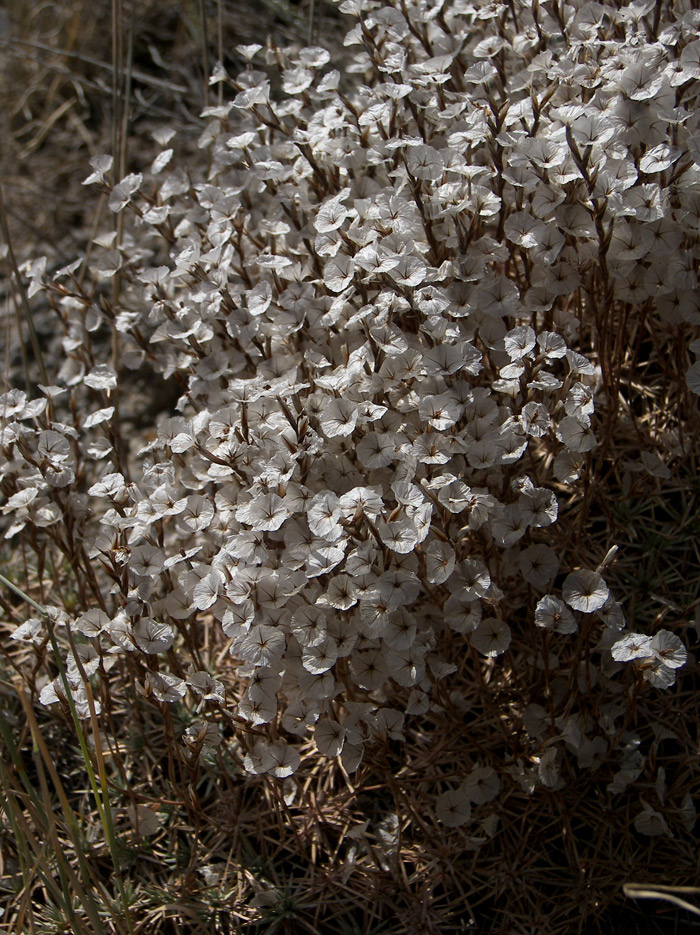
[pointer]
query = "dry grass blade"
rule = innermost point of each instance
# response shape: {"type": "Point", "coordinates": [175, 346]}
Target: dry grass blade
{"type": "Point", "coordinates": [665, 893]}
{"type": "Point", "coordinates": [100, 793]}
{"type": "Point", "coordinates": [26, 315]}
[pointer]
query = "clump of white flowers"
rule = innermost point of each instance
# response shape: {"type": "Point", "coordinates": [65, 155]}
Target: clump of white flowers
{"type": "Point", "coordinates": [371, 293]}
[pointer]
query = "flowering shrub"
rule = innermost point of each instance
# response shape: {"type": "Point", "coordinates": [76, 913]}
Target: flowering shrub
{"type": "Point", "coordinates": [391, 310]}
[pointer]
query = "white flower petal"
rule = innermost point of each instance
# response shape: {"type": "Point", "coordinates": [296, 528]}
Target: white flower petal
{"type": "Point", "coordinates": [585, 590]}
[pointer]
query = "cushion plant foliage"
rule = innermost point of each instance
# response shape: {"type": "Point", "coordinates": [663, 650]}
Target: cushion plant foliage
{"type": "Point", "coordinates": [396, 303]}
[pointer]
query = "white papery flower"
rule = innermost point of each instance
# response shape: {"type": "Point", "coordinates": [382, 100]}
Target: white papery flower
{"type": "Point", "coordinates": [320, 656]}
{"type": "Point", "coordinates": [659, 158]}
{"type": "Point", "coordinates": [612, 614]}
{"type": "Point", "coordinates": [546, 153]}
{"type": "Point", "coordinates": [365, 501]}
{"type": "Point", "coordinates": [462, 615]}
{"type": "Point", "coordinates": [332, 213]}
{"type": "Point", "coordinates": [261, 645]}
{"type": "Point", "coordinates": [453, 808]}
{"type": "Point", "coordinates": [203, 735]}
{"type": "Point", "coordinates": [329, 737]}
{"type": "Point", "coordinates": [579, 402]}
{"type": "Point", "coordinates": [323, 515]}
{"type": "Point", "coordinates": [369, 669]}
{"type": "Point", "coordinates": [553, 614]}
{"type": "Point", "coordinates": [472, 579]}
{"type": "Point", "coordinates": [238, 618]}
{"type": "Point", "coordinates": [166, 687]}
{"type": "Point", "coordinates": [632, 646]}
{"type": "Point", "coordinates": [353, 317]}
{"type": "Point", "coordinates": [121, 194]}
{"type": "Point", "coordinates": [324, 558]}
{"type": "Point", "coordinates": [89, 660]}
{"type": "Point", "coordinates": [578, 363]}
{"type": "Point", "coordinates": [279, 759]}
{"type": "Point", "coordinates": [338, 273]}
{"type": "Point", "coordinates": [264, 513]}
{"type": "Point", "coordinates": [21, 500]}
{"type": "Point", "coordinates": [576, 435]}
{"type": "Point", "coordinates": [690, 59]}
{"type": "Point", "coordinates": [651, 822]}
{"type": "Point", "coordinates": [539, 507]}
{"type": "Point", "coordinates": [375, 609]}
{"type": "Point", "coordinates": [309, 625]}
{"type": "Point", "coordinates": [299, 716]}
{"type": "Point", "coordinates": [448, 359]}
{"type": "Point", "coordinates": [274, 587]}
{"type": "Point", "coordinates": [400, 630]}
{"type": "Point", "coordinates": [509, 526]}
{"type": "Point", "coordinates": [339, 418]}
{"type": "Point", "coordinates": [259, 710]}
{"type": "Point", "coordinates": [296, 80]}
{"type": "Point", "coordinates": [547, 769]}
{"type": "Point", "coordinates": [552, 345]}
{"type": "Point", "coordinates": [481, 785]}
{"type": "Point", "coordinates": [692, 378]}
{"type": "Point", "coordinates": [206, 687]}
{"type": "Point", "coordinates": [146, 560]}
{"type": "Point", "coordinates": [409, 271]}
{"type": "Point", "coordinates": [440, 561]}
{"type": "Point", "coordinates": [198, 513]}
{"type": "Point", "coordinates": [374, 261]}
{"type": "Point", "coordinates": [439, 411]}
{"type": "Point", "coordinates": [400, 586]}
{"type": "Point", "coordinates": [249, 546]}
{"type": "Point", "coordinates": [534, 418]}
{"type": "Point", "coordinates": [101, 166]}
{"type": "Point", "coordinates": [585, 590]}
{"type": "Point", "coordinates": [92, 622]}
{"type": "Point", "coordinates": [264, 683]}
{"type": "Point", "coordinates": [399, 536]}
{"type": "Point", "coordinates": [153, 637]}
{"type": "Point", "coordinates": [429, 448]}
{"type": "Point", "coordinates": [207, 589]}
{"type": "Point", "coordinates": [659, 675]}
{"type": "Point", "coordinates": [425, 162]}
{"type": "Point", "coordinates": [101, 377]}
{"type": "Point", "coordinates": [98, 417]}
{"type": "Point", "coordinates": [567, 467]}
{"type": "Point", "coordinates": [483, 454]}
{"type": "Point", "coordinates": [539, 564]}
{"type": "Point", "coordinates": [53, 446]}
{"type": "Point", "coordinates": [668, 649]}
{"type": "Point", "coordinates": [341, 593]}
{"type": "Point", "coordinates": [491, 637]}
{"type": "Point", "coordinates": [54, 692]}
{"type": "Point", "coordinates": [521, 228]}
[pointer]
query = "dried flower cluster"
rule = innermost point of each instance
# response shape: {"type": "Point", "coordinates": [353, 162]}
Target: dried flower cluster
{"type": "Point", "coordinates": [373, 300]}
